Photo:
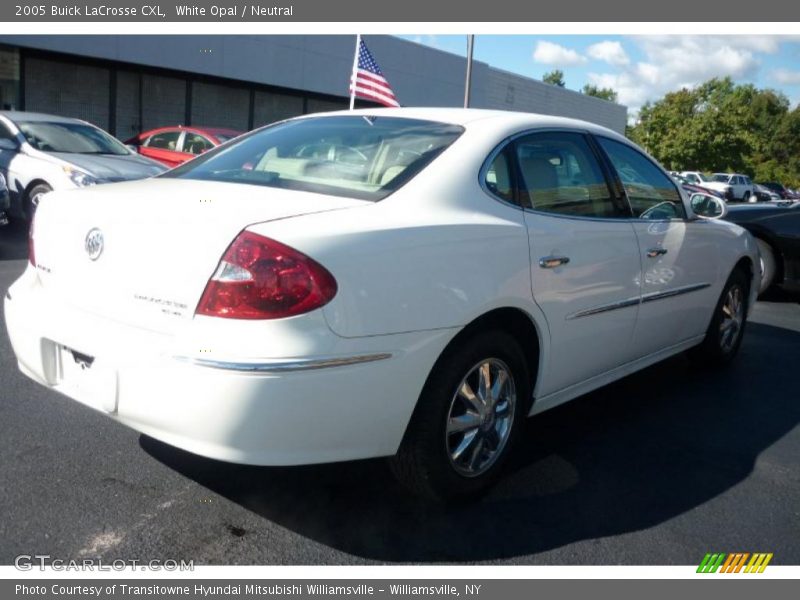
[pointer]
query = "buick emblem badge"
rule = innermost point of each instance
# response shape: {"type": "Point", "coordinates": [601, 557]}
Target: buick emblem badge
{"type": "Point", "coordinates": [94, 243]}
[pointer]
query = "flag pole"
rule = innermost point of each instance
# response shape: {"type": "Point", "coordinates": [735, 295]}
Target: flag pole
{"type": "Point", "coordinates": [468, 82]}
{"type": "Point", "coordinates": [353, 74]}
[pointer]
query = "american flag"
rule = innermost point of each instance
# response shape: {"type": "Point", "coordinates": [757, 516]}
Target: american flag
{"type": "Point", "coordinates": [368, 80]}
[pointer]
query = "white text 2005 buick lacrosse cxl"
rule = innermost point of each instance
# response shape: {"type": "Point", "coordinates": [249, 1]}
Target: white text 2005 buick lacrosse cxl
{"type": "Point", "coordinates": [396, 282]}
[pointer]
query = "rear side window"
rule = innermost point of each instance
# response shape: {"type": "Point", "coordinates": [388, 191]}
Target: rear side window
{"type": "Point", "coordinates": [561, 175]}
{"type": "Point", "coordinates": [364, 157]}
{"type": "Point", "coordinates": [650, 192]}
{"type": "Point", "coordinates": [167, 140]}
{"type": "Point", "coordinates": [499, 177]}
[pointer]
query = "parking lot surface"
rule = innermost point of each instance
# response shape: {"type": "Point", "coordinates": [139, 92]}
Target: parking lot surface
{"type": "Point", "coordinates": [658, 468]}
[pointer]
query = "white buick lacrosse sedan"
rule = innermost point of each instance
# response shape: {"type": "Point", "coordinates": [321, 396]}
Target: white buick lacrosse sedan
{"type": "Point", "coordinates": [409, 283]}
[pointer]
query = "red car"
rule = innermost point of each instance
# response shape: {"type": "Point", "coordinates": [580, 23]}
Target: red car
{"type": "Point", "coordinates": [175, 145]}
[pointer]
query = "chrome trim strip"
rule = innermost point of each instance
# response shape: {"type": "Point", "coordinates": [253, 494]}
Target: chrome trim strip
{"type": "Point", "coordinates": [653, 296]}
{"type": "Point", "coordinates": [604, 308]}
{"type": "Point", "coordinates": [283, 366]}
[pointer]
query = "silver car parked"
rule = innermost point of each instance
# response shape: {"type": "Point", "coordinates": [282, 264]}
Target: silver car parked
{"type": "Point", "coordinates": [40, 153]}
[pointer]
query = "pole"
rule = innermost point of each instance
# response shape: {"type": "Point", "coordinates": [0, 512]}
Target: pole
{"type": "Point", "coordinates": [355, 71]}
{"type": "Point", "coordinates": [468, 82]}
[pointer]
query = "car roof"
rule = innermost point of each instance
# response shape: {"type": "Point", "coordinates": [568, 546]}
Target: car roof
{"type": "Point", "coordinates": [18, 115]}
{"type": "Point", "coordinates": [212, 131]}
{"type": "Point", "coordinates": [215, 130]}
{"type": "Point", "coordinates": [467, 116]}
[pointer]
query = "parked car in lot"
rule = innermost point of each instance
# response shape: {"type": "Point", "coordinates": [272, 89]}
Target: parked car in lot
{"type": "Point", "coordinates": [40, 153]}
{"type": "Point", "coordinates": [776, 227]}
{"type": "Point", "coordinates": [762, 193]}
{"type": "Point", "coordinates": [700, 179]}
{"type": "Point", "coordinates": [741, 185]}
{"type": "Point", "coordinates": [415, 292]}
{"type": "Point", "coordinates": [175, 145]}
{"type": "Point", "coordinates": [784, 192]}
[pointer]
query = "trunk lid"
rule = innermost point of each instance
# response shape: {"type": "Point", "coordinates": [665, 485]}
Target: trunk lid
{"type": "Point", "coordinates": [161, 241]}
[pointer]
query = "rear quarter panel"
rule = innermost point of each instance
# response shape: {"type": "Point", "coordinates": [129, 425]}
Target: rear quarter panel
{"type": "Point", "coordinates": [435, 254]}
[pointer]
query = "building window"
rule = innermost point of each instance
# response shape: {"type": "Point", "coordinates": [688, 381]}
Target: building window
{"type": "Point", "coordinates": [220, 106]}
{"type": "Point", "coordinates": [270, 107]}
{"type": "Point", "coordinates": [68, 90]}
{"type": "Point", "coordinates": [163, 101]}
{"type": "Point", "coordinates": [9, 79]}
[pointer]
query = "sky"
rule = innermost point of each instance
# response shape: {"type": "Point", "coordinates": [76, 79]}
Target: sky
{"type": "Point", "coordinates": [640, 68]}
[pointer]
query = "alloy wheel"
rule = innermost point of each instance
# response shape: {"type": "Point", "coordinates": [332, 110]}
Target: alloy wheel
{"type": "Point", "coordinates": [480, 417]}
{"type": "Point", "coordinates": [732, 318]}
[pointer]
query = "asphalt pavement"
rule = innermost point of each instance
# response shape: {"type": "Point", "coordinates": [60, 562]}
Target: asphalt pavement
{"type": "Point", "coordinates": [658, 468]}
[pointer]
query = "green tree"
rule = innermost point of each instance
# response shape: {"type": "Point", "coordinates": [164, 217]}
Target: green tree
{"type": "Point", "coordinates": [554, 77]}
{"type": "Point", "coordinates": [598, 92]}
{"type": "Point", "coordinates": [723, 126]}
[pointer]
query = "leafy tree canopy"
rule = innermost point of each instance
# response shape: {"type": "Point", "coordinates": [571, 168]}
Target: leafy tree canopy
{"type": "Point", "coordinates": [598, 92]}
{"type": "Point", "coordinates": [723, 126]}
{"type": "Point", "coordinates": [555, 77]}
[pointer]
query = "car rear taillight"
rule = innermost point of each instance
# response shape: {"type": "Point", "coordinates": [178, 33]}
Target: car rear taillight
{"type": "Point", "coordinates": [259, 278]}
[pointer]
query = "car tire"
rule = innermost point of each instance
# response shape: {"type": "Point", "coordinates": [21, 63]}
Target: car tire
{"type": "Point", "coordinates": [768, 265]}
{"type": "Point", "coordinates": [32, 199]}
{"type": "Point", "coordinates": [456, 444]}
{"type": "Point", "coordinates": [725, 332]}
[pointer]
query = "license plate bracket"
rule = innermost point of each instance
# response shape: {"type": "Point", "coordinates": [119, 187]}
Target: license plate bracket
{"type": "Point", "coordinates": [86, 379]}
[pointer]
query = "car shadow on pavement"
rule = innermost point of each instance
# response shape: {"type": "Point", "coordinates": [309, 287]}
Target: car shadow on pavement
{"type": "Point", "coordinates": [626, 457]}
{"type": "Point", "coordinates": [778, 294]}
{"type": "Point", "coordinates": [14, 240]}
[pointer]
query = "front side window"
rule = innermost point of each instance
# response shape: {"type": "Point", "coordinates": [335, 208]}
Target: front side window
{"type": "Point", "coordinates": [362, 157]}
{"type": "Point", "coordinates": [165, 140]}
{"type": "Point", "coordinates": [650, 192]}
{"type": "Point", "coordinates": [562, 175]}
{"type": "Point", "coordinates": [78, 138]}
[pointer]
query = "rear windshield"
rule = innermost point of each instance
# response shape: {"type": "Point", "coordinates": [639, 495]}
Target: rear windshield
{"type": "Point", "coordinates": [360, 157]}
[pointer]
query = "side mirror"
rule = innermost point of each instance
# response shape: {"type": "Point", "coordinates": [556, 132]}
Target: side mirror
{"type": "Point", "coordinates": [707, 206]}
{"type": "Point", "coordinates": [8, 144]}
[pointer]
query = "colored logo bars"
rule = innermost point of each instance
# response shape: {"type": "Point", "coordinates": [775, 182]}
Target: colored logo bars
{"type": "Point", "coordinates": [735, 563]}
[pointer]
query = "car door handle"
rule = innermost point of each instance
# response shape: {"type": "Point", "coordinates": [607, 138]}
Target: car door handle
{"type": "Point", "coordinates": [551, 262]}
{"type": "Point", "coordinates": [654, 252]}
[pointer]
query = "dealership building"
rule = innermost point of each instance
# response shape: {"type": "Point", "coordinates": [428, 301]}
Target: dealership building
{"type": "Point", "coordinates": [130, 83]}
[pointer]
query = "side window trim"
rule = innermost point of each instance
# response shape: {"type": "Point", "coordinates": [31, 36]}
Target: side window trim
{"type": "Point", "coordinates": [179, 143]}
{"type": "Point", "coordinates": [616, 189]}
{"type": "Point", "coordinates": [523, 201]}
{"type": "Point", "coordinates": [658, 168]}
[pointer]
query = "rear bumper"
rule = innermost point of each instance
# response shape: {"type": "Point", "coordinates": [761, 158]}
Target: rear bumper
{"type": "Point", "coordinates": [354, 402]}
